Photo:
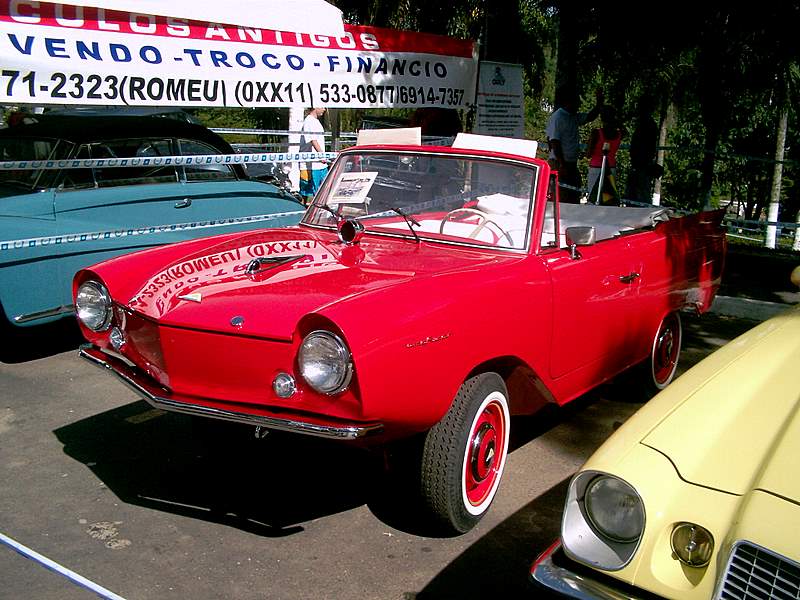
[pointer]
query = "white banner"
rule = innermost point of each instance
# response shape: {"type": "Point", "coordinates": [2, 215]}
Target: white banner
{"type": "Point", "coordinates": [62, 54]}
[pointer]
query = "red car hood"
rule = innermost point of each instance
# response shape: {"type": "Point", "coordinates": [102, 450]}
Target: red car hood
{"type": "Point", "coordinates": [303, 271]}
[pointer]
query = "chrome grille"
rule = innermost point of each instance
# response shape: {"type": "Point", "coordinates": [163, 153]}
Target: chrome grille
{"type": "Point", "coordinates": [756, 573]}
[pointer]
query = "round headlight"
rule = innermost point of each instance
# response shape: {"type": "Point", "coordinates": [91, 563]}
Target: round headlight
{"type": "Point", "coordinates": [692, 544]}
{"type": "Point", "coordinates": [614, 509]}
{"type": "Point", "coordinates": [325, 362]}
{"type": "Point", "coordinates": [93, 305]}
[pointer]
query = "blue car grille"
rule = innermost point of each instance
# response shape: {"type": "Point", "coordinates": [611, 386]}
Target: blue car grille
{"type": "Point", "coordinates": [755, 573]}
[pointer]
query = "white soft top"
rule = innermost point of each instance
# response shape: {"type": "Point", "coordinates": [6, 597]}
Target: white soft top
{"type": "Point", "coordinates": [608, 221]}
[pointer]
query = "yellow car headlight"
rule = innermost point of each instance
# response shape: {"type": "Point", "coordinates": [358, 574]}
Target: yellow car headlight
{"type": "Point", "coordinates": [614, 509]}
{"type": "Point", "coordinates": [604, 520]}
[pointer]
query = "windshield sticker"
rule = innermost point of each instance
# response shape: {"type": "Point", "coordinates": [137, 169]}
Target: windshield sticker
{"type": "Point", "coordinates": [352, 188]}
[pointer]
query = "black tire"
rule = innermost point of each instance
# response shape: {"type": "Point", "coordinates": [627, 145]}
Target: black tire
{"type": "Point", "coordinates": [464, 454]}
{"type": "Point", "coordinates": [665, 350]}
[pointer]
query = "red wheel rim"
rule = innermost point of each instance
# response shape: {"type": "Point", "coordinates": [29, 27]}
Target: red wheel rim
{"type": "Point", "coordinates": [666, 348]}
{"type": "Point", "coordinates": [485, 453]}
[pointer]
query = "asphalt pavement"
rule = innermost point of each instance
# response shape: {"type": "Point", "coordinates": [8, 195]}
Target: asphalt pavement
{"type": "Point", "coordinates": [137, 502]}
{"type": "Point", "coordinates": [146, 505]}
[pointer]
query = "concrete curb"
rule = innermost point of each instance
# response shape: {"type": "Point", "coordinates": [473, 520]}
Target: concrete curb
{"type": "Point", "coordinates": [747, 308]}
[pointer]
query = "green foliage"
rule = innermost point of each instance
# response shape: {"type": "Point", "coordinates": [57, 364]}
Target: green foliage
{"type": "Point", "coordinates": [720, 66]}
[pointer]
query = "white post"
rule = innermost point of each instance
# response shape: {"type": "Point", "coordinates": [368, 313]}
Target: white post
{"type": "Point", "coordinates": [777, 176]}
{"type": "Point", "coordinates": [295, 124]}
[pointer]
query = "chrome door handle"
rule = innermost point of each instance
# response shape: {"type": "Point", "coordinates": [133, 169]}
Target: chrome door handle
{"type": "Point", "coordinates": [628, 278]}
{"type": "Point", "coordinates": [185, 203]}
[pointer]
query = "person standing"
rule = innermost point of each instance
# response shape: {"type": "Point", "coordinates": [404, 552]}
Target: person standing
{"type": "Point", "coordinates": [312, 139]}
{"type": "Point", "coordinates": [603, 144]}
{"type": "Point", "coordinates": [563, 139]}
{"type": "Point", "coordinates": [644, 144]}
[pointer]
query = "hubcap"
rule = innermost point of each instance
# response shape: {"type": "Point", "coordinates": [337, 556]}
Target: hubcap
{"type": "Point", "coordinates": [485, 456]}
{"type": "Point", "coordinates": [483, 452]}
{"type": "Point", "coordinates": [665, 352]}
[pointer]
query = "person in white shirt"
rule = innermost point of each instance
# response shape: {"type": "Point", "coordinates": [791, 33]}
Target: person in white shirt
{"type": "Point", "coordinates": [312, 139]}
{"type": "Point", "coordinates": [563, 139]}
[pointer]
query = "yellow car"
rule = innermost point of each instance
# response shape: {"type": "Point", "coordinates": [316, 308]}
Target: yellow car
{"type": "Point", "coordinates": [698, 494]}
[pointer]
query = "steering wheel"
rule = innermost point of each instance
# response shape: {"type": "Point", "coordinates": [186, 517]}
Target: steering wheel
{"type": "Point", "coordinates": [482, 223]}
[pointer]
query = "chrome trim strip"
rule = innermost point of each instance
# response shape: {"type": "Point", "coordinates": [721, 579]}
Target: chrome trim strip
{"type": "Point", "coordinates": [179, 160]}
{"type": "Point", "coordinates": [562, 580]}
{"type": "Point", "coordinates": [95, 236]}
{"type": "Point", "coordinates": [351, 432]}
{"type": "Point", "coordinates": [42, 314]}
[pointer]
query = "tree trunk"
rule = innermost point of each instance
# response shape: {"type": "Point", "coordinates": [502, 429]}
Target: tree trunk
{"type": "Point", "coordinates": [796, 245]}
{"type": "Point", "coordinates": [777, 176]}
{"type": "Point", "coordinates": [666, 123]}
{"type": "Point", "coordinates": [568, 37]}
{"type": "Point", "coordinates": [707, 166]}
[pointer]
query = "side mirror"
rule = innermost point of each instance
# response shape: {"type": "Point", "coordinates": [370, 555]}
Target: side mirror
{"type": "Point", "coordinates": [579, 236]}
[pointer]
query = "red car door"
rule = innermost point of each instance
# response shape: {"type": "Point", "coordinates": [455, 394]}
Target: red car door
{"type": "Point", "coordinates": [595, 314]}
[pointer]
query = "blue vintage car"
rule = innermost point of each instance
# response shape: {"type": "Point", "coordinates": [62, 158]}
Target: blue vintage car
{"type": "Point", "coordinates": [54, 222]}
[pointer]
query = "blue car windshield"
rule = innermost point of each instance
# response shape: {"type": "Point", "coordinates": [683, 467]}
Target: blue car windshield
{"type": "Point", "coordinates": [24, 149]}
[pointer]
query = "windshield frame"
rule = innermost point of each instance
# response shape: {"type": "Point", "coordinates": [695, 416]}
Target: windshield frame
{"type": "Point", "coordinates": [444, 152]}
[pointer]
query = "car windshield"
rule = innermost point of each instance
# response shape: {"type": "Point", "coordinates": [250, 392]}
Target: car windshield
{"type": "Point", "coordinates": [25, 149]}
{"type": "Point", "coordinates": [441, 197]}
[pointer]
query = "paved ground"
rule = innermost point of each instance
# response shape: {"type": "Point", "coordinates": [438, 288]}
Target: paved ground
{"type": "Point", "coordinates": [131, 499]}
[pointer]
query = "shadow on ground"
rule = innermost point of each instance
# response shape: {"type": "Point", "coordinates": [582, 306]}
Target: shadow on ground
{"type": "Point", "coordinates": [501, 559]}
{"type": "Point", "coordinates": [219, 472]}
{"type": "Point", "coordinates": [23, 344]}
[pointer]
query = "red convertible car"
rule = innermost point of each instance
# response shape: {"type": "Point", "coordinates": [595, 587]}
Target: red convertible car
{"type": "Point", "coordinates": [431, 292]}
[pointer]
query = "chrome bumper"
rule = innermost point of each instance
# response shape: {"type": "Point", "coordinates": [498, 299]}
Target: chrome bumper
{"type": "Point", "coordinates": [552, 571]}
{"type": "Point", "coordinates": [160, 398]}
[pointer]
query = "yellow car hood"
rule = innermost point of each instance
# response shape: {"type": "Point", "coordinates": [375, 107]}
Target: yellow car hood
{"type": "Point", "coordinates": [734, 425]}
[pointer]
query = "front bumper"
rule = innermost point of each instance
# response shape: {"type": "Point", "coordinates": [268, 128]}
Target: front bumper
{"type": "Point", "coordinates": [556, 572]}
{"type": "Point", "coordinates": [163, 399]}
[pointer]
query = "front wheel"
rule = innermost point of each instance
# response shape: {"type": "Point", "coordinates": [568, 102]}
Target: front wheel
{"type": "Point", "coordinates": [464, 454]}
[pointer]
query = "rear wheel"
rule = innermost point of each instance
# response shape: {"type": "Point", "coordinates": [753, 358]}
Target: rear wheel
{"type": "Point", "coordinates": [666, 349]}
{"type": "Point", "coordinates": [464, 454]}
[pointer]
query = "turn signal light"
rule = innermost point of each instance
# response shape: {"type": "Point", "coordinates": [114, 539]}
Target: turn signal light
{"type": "Point", "coordinates": [692, 544]}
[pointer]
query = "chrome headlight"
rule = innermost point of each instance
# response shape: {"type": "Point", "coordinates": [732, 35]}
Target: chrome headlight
{"type": "Point", "coordinates": [614, 508]}
{"type": "Point", "coordinates": [93, 305]}
{"type": "Point", "coordinates": [604, 520]}
{"type": "Point", "coordinates": [325, 362]}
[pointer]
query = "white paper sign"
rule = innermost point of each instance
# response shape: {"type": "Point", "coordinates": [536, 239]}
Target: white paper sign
{"type": "Point", "coordinates": [353, 188]}
{"type": "Point", "coordinates": [501, 100]}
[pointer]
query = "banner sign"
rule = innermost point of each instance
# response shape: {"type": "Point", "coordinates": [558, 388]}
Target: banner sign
{"type": "Point", "coordinates": [64, 54]}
